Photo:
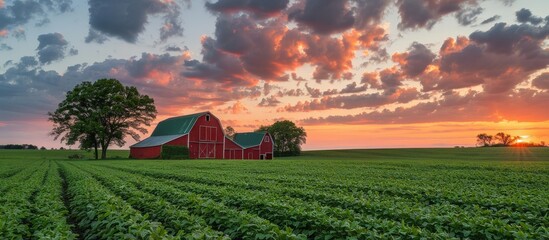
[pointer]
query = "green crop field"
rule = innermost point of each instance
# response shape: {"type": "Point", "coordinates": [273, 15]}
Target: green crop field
{"type": "Point", "coordinates": [462, 193]}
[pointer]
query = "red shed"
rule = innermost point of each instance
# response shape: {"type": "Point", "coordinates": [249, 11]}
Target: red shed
{"type": "Point", "coordinates": [255, 145]}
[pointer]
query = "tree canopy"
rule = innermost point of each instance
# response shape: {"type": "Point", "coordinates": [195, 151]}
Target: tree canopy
{"type": "Point", "coordinates": [287, 137]}
{"type": "Point", "coordinates": [230, 132]}
{"type": "Point", "coordinates": [100, 114]}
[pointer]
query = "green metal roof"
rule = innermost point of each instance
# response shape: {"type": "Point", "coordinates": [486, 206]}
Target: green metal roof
{"type": "Point", "coordinates": [249, 139]}
{"type": "Point", "coordinates": [156, 140]}
{"type": "Point", "coordinates": [176, 125]}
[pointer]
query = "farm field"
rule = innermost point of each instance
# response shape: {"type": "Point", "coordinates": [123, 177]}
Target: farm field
{"type": "Point", "coordinates": [464, 193]}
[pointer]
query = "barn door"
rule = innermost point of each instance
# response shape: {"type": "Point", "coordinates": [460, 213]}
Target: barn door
{"type": "Point", "coordinates": [211, 150]}
{"type": "Point", "coordinates": [202, 150]}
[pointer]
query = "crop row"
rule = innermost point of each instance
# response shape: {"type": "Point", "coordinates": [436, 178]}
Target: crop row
{"type": "Point", "coordinates": [440, 217]}
{"type": "Point", "coordinates": [16, 203]}
{"type": "Point", "coordinates": [102, 215]}
{"type": "Point", "coordinates": [307, 218]}
{"type": "Point", "coordinates": [488, 199]}
{"type": "Point", "coordinates": [235, 224]}
{"type": "Point", "coordinates": [49, 219]}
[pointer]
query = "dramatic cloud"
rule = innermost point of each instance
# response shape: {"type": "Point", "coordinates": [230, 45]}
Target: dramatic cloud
{"type": "Point", "coordinates": [28, 91]}
{"type": "Point", "coordinates": [425, 13]}
{"type": "Point", "coordinates": [52, 47]}
{"type": "Point", "coordinates": [324, 16]}
{"type": "Point", "coordinates": [520, 105]}
{"type": "Point", "coordinates": [126, 19]}
{"type": "Point", "coordinates": [414, 62]}
{"type": "Point", "coordinates": [257, 7]}
{"type": "Point", "coordinates": [369, 12]}
{"type": "Point", "coordinates": [504, 39]}
{"type": "Point", "coordinates": [21, 12]}
{"type": "Point", "coordinates": [355, 101]}
{"type": "Point", "coordinates": [498, 59]}
{"type": "Point", "coordinates": [525, 16]}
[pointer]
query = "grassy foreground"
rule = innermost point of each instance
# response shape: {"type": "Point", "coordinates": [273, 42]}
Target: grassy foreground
{"type": "Point", "coordinates": [492, 193]}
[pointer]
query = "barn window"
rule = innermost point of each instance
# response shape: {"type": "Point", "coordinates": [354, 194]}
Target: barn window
{"type": "Point", "coordinates": [267, 139]}
{"type": "Point", "coordinates": [207, 118]}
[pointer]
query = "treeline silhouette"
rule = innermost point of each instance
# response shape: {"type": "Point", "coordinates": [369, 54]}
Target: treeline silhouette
{"type": "Point", "coordinates": [502, 139]}
{"type": "Point", "coordinates": [18, 146]}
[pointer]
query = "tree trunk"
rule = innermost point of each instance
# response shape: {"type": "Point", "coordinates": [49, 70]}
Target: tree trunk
{"type": "Point", "coordinates": [103, 153]}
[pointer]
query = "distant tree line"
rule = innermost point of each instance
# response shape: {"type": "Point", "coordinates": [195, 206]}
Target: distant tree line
{"type": "Point", "coordinates": [502, 139]}
{"type": "Point", "coordinates": [18, 146]}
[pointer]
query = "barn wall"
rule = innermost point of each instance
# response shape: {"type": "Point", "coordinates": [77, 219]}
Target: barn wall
{"type": "Point", "coordinates": [205, 137]}
{"type": "Point", "coordinates": [266, 144]}
{"type": "Point", "coordinates": [145, 152]}
{"type": "Point", "coordinates": [251, 153]}
{"type": "Point", "coordinates": [232, 150]}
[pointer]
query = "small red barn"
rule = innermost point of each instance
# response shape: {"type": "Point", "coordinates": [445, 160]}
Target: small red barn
{"type": "Point", "coordinates": [253, 145]}
{"type": "Point", "coordinates": [203, 134]}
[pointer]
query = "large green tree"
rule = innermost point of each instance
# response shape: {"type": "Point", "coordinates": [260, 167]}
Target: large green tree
{"type": "Point", "coordinates": [287, 137]}
{"type": "Point", "coordinates": [100, 114]}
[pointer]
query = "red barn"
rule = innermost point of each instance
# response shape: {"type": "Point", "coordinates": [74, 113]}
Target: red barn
{"type": "Point", "coordinates": [203, 134]}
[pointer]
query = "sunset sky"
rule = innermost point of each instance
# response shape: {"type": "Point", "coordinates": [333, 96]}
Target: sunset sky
{"type": "Point", "coordinates": [354, 74]}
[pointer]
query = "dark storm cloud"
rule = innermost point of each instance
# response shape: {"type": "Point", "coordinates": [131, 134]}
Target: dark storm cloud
{"type": "Point", "coordinates": [258, 7]}
{"type": "Point", "coordinates": [324, 16]}
{"type": "Point", "coordinates": [468, 16]}
{"type": "Point", "coordinates": [391, 79]}
{"type": "Point", "coordinates": [491, 19]}
{"type": "Point", "coordinates": [542, 81]}
{"type": "Point", "coordinates": [414, 62]}
{"type": "Point", "coordinates": [369, 12]}
{"type": "Point", "coordinates": [218, 66]}
{"type": "Point", "coordinates": [19, 13]}
{"type": "Point", "coordinates": [525, 16]}
{"type": "Point", "coordinates": [106, 17]}
{"type": "Point", "coordinates": [503, 38]}
{"type": "Point", "coordinates": [425, 13]}
{"type": "Point", "coordinates": [51, 47]}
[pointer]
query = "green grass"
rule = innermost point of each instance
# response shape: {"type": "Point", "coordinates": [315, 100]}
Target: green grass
{"type": "Point", "coordinates": [475, 193]}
